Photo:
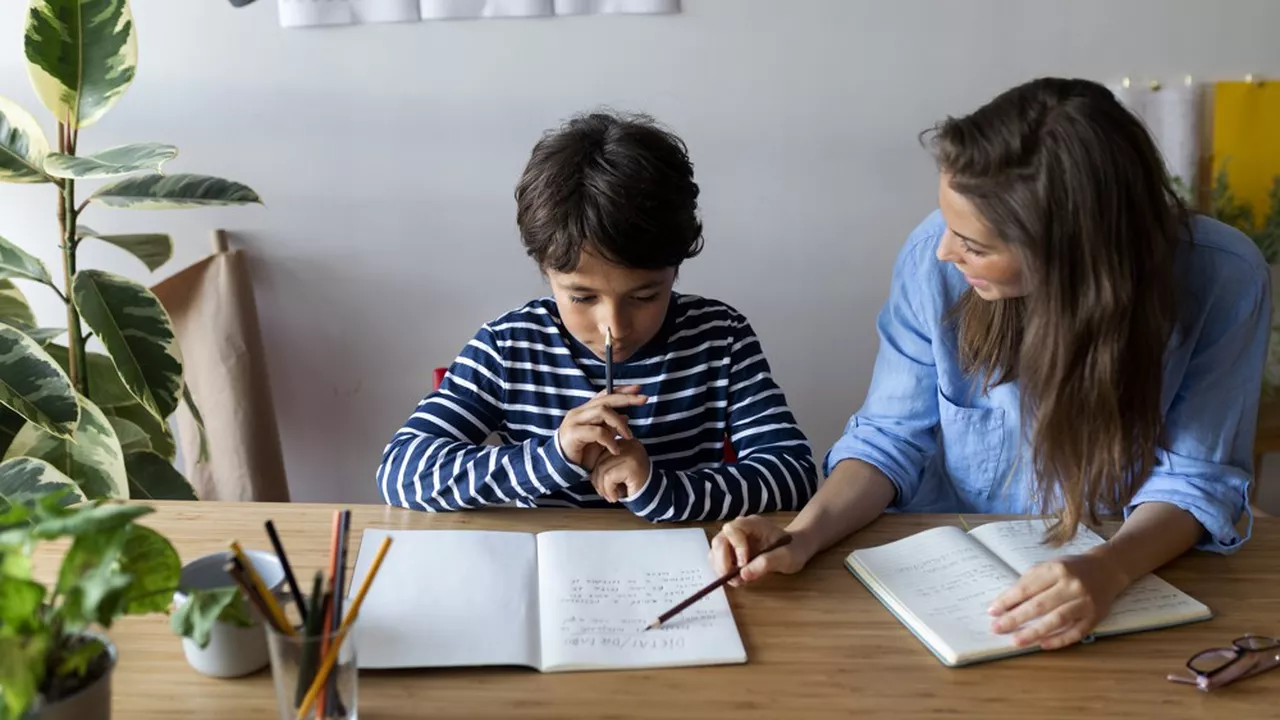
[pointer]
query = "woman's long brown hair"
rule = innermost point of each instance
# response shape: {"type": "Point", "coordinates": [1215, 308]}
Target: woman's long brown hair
{"type": "Point", "coordinates": [1072, 181]}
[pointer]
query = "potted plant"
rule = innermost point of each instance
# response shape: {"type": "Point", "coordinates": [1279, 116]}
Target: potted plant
{"type": "Point", "coordinates": [58, 660]}
{"type": "Point", "coordinates": [101, 419]}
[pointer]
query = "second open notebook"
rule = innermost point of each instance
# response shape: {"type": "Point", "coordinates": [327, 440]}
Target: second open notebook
{"type": "Point", "coordinates": [940, 582]}
{"type": "Point", "coordinates": [554, 601]}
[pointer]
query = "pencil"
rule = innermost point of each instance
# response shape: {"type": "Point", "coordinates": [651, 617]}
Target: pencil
{"type": "Point", "coordinates": [282, 620]}
{"type": "Point", "coordinates": [251, 595]}
{"type": "Point", "coordinates": [311, 631]}
{"type": "Point", "coordinates": [331, 655]}
{"type": "Point", "coordinates": [608, 361]}
{"type": "Point", "coordinates": [288, 572]}
{"type": "Point", "coordinates": [664, 617]}
{"type": "Point", "coordinates": [331, 617]}
{"type": "Point", "coordinates": [339, 591]}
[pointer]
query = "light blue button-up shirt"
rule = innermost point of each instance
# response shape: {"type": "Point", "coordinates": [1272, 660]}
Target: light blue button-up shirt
{"type": "Point", "coordinates": [948, 447]}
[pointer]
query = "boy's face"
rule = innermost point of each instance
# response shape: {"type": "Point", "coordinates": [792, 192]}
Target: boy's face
{"type": "Point", "coordinates": [599, 295]}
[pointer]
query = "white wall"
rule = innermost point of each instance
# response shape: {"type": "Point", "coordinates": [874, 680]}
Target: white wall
{"type": "Point", "coordinates": [387, 156]}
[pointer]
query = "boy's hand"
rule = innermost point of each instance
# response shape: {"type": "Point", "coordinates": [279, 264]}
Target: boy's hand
{"type": "Point", "coordinates": [622, 474]}
{"type": "Point", "coordinates": [593, 427]}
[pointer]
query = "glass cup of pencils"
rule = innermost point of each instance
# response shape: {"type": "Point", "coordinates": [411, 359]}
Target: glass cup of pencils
{"type": "Point", "coordinates": [314, 671]}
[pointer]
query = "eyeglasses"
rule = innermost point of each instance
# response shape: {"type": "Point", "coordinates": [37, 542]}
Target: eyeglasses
{"type": "Point", "coordinates": [1216, 667]}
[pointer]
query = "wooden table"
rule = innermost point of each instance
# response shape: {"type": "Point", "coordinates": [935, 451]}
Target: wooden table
{"type": "Point", "coordinates": [818, 644]}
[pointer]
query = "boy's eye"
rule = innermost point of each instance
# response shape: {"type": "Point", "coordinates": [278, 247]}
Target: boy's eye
{"type": "Point", "coordinates": [646, 298]}
{"type": "Point", "coordinates": [581, 298]}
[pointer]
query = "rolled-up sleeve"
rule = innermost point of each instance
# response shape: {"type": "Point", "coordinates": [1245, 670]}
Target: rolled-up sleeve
{"type": "Point", "coordinates": [1205, 463]}
{"type": "Point", "coordinates": [895, 429]}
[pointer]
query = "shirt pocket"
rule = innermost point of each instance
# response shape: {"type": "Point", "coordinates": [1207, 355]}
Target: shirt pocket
{"type": "Point", "coordinates": [972, 445]}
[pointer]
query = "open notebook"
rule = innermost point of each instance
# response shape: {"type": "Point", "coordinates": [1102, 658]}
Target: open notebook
{"type": "Point", "coordinates": [554, 601]}
{"type": "Point", "coordinates": [940, 582]}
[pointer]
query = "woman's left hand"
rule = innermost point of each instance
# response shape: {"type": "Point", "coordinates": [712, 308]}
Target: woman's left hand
{"type": "Point", "coordinates": [1057, 603]}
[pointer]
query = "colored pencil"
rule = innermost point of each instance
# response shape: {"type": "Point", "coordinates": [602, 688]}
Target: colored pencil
{"type": "Point", "coordinates": [234, 569]}
{"type": "Point", "coordinates": [281, 620]}
{"type": "Point", "coordinates": [664, 617]}
{"type": "Point", "coordinates": [331, 655]}
{"type": "Point", "coordinates": [288, 572]}
{"type": "Point", "coordinates": [330, 615]}
{"type": "Point", "coordinates": [311, 630]}
{"type": "Point", "coordinates": [339, 591]}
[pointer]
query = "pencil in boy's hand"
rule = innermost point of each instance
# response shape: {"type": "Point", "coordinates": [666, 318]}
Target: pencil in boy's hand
{"type": "Point", "coordinates": [608, 361]}
{"type": "Point", "coordinates": [664, 617]}
{"type": "Point", "coordinates": [288, 571]}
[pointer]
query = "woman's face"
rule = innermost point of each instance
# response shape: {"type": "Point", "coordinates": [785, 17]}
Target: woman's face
{"type": "Point", "coordinates": [989, 264]}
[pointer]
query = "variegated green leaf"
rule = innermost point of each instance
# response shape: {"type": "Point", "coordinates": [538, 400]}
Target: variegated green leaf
{"type": "Point", "coordinates": [81, 55]}
{"type": "Point", "coordinates": [32, 477]}
{"type": "Point", "coordinates": [153, 249]}
{"type": "Point", "coordinates": [14, 309]}
{"type": "Point", "coordinates": [195, 415]}
{"type": "Point", "coordinates": [44, 336]}
{"type": "Point", "coordinates": [93, 458]}
{"type": "Point", "coordinates": [158, 431]}
{"type": "Point", "coordinates": [23, 145]}
{"type": "Point", "coordinates": [132, 438]}
{"type": "Point", "coordinates": [18, 263]}
{"type": "Point", "coordinates": [106, 389]}
{"type": "Point", "coordinates": [151, 477]}
{"type": "Point", "coordinates": [32, 384]}
{"type": "Point", "coordinates": [174, 192]}
{"type": "Point", "coordinates": [114, 162]}
{"type": "Point", "coordinates": [10, 423]}
{"type": "Point", "coordinates": [135, 329]}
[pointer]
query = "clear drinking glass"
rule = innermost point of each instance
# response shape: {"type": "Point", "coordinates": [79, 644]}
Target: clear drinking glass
{"type": "Point", "coordinates": [295, 662]}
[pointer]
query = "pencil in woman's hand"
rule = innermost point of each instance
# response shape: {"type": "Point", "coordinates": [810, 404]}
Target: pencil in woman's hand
{"type": "Point", "coordinates": [664, 617]}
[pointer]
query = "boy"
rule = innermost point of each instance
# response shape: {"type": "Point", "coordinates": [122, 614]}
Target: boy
{"type": "Point", "coordinates": [607, 206]}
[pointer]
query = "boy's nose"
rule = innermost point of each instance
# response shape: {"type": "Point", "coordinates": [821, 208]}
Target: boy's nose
{"type": "Point", "coordinates": [615, 323]}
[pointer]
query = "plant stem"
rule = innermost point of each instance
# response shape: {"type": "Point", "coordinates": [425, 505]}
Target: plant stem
{"type": "Point", "coordinates": [67, 215]}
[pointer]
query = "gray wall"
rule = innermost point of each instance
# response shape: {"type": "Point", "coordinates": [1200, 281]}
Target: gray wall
{"type": "Point", "coordinates": [387, 156]}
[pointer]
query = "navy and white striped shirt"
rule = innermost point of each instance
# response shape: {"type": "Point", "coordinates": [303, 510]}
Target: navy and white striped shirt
{"type": "Point", "coordinates": [704, 374]}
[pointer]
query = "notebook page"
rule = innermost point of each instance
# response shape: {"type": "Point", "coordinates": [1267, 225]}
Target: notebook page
{"type": "Point", "coordinates": [943, 582]}
{"type": "Point", "coordinates": [446, 598]}
{"type": "Point", "coordinates": [600, 589]}
{"type": "Point", "coordinates": [1148, 601]}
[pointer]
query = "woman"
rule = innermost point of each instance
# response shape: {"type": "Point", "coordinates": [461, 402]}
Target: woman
{"type": "Point", "coordinates": [1062, 336]}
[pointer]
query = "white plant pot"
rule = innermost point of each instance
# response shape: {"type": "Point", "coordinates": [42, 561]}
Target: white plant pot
{"type": "Point", "coordinates": [91, 702]}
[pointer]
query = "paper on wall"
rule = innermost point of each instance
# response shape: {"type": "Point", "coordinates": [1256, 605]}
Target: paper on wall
{"type": "Point", "coordinates": [315, 13]}
{"type": "Point", "coordinates": [621, 7]}
{"type": "Point", "coordinates": [1172, 117]}
{"type": "Point", "coordinates": [1246, 141]}
{"type": "Point", "coordinates": [385, 11]}
{"type": "Point", "coordinates": [1173, 114]}
{"type": "Point", "coordinates": [455, 9]}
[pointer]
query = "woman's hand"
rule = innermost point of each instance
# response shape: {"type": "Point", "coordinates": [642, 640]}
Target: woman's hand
{"type": "Point", "coordinates": [741, 538]}
{"type": "Point", "coordinates": [1057, 603]}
